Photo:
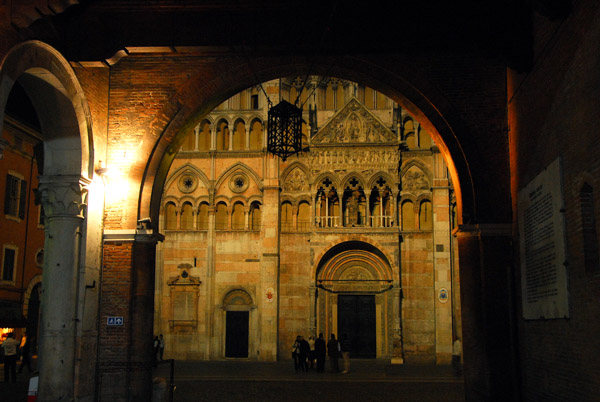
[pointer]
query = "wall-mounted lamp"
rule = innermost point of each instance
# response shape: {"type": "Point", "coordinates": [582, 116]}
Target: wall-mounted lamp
{"type": "Point", "coordinates": [101, 170]}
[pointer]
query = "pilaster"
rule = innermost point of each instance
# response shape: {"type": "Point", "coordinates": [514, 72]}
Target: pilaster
{"type": "Point", "coordinates": [486, 270]}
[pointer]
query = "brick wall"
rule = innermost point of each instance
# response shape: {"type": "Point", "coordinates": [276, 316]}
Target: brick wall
{"type": "Point", "coordinates": [553, 113]}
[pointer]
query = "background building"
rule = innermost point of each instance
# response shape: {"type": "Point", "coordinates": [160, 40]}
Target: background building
{"type": "Point", "coordinates": [21, 219]}
{"type": "Point", "coordinates": [361, 227]}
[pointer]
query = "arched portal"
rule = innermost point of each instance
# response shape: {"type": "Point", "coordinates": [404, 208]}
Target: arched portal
{"type": "Point", "coordinates": [239, 326]}
{"type": "Point", "coordinates": [72, 203]}
{"type": "Point", "coordinates": [353, 299]}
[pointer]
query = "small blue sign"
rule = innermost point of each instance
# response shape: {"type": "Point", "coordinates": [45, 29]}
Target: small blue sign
{"type": "Point", "coordinates": [114, 321]}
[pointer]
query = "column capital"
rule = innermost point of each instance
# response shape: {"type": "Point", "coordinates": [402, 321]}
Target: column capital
{"type": "Point", "coordinates": [63, 196]}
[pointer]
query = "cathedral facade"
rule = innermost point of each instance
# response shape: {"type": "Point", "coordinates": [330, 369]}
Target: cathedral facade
{"type": "Point", "coordinates": [352, 237]}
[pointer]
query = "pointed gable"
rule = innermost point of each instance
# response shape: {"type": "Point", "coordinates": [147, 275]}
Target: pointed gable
{"type": "Point", "coordinates": [354, 123]}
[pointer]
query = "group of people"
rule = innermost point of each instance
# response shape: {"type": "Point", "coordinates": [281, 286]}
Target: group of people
{"type": "Point", "coordinates": [305, 353]}
{"type": "Point", "coordinates": [13, 350]}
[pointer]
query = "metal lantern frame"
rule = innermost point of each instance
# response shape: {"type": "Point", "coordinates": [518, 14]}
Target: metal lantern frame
{"type": "Point", "coordinates": [284, 130]}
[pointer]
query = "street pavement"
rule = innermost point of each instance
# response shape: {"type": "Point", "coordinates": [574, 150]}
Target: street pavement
{"type": "Point", "coordinates": [368, 380]}
{"type": "Point", "coordinates": [250, 381]}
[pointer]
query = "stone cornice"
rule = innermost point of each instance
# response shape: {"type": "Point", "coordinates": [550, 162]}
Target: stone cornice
{"type": "Point", "coordinates": [132, 235]}
{"type": "Point", "coordinates": [484, 229]}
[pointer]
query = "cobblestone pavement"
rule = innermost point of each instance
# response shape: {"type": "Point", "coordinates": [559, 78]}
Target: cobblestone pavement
{"type": "Point", "coordinates": [249, 381]}
{"type": "Point", "coordinates": [368, 380]}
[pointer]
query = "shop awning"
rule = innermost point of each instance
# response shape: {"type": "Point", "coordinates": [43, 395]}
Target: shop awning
{"type": "Point", "coordinates": [10, 315]}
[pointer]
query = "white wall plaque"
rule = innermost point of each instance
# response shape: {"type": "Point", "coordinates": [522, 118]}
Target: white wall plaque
{"type": "Point", "coordinates": [543, 246]}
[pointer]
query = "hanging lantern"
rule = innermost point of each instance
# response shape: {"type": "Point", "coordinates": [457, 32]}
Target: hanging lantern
{"type": "Point", "coordinates": [284, 130]}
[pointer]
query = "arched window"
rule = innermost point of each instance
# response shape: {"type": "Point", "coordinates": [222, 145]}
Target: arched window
{"type": "Point", "coordinates": [203, 216]}
{"type": "Point", "coordinates": [187, 217]}
{"type": "Point", "coordinates": [425, 215]}
{"type": "Point", "coordinates": [256, 135]}
{"type": "Point", "coordinates": [304, 217]}
{"type": "Point", "coordinates": [223, 136]}
{"type": "Point", "coordinates": [408, 216]}
{"type": "Point", "coordinates": [287, 222]}
{"type": "Point", "coordinates": [409, 134]}
{"type": "Point", "coordinates": [221, 217]}
{"type": "Point", "coordinates": [424, 139]}
{"type": "Point", "coordinates": [204, 136]}
{"type": "Point", "coordinates": [255, 216]}
{"type": "Point", "coordinates": [170, 216]}
{"type": "Point", "coordinates": [237, 217]}
{"type": "Point", "coordinates": [328, 207]}
{"type": "Point", "coordinates": [588, 223]}
{"type": "Point", "coordinates": [239, 136]}
{"type": "Point", "coordinates": [189, 142]}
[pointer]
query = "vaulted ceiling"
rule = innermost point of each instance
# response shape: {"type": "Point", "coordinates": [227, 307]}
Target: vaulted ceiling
{"type": "Point", "coordinates": [96, 29]}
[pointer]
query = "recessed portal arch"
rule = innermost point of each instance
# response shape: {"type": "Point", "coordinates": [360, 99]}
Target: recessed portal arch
{"type": "Point", "coordinates": [354, 280]}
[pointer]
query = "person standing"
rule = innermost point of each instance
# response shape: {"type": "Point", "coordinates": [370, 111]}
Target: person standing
{"type": "Point", "coordinates": [345, 354]}
{"type": "Point", "coordinates": [296, 353]}
{"type": "Point", "coordinates": [333, 350]}
{"type": "Point", "coordinates": [320, 352]}
{"type": "Point", "coordinates": [311, 353]}
{"type": "Point", "coordinates": [304, 350]}
{"type": "Point", "coordinates": [26, 354]}
{"type": "Point", "coordinates": [155, 345]}
{"type": "Point", "coordinates": [456, 353]}
{"type": "Point", "coordinates": [10, 357]}
{"type": "Point", "coordinates": [161, 346]}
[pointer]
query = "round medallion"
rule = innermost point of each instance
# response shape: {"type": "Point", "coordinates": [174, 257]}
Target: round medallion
{"type": "Point", "coordinates": [238, 183]}
{"type": "Point", "coordinates": [187, 183]}
{"type": "Point", "coordinates": [39, 258]}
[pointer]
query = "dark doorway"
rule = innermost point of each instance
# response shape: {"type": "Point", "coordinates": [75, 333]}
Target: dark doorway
{"type": "Point", "coordinates": [356, 325]}
{"type": "Point", "coordinates": [236, 334]}
{"type": "Point", "coordinates": [33, 316]}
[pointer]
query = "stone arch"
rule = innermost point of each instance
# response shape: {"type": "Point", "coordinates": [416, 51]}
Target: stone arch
{"type": "Point", "coordinates": [188, 167]}
{"type": "Point", "coordinates": [292, 183]}
{"type": "Point", "coordinates": [407, 86]}
{"type": "Point", "coordinates": [420, 165]}
{"type": "Point", "coordinates": [60, 103]}
{"type": "Point", "coordinates": [170, 198]}
{"type": "Point", "coordinates": [349, 177]}
{"type": "Point", "coordinates": [317, 181]}
{"type": "Point", "coordinates": [237, 296]}
{"type": "Point", "coordinates": [289, 199]}
{"type": "Point", "coordinates": [412, 182]}
{"type": "Point", "coordinates": [361, 241]}
{"type": "Point", "coordinates": [235, 167]}
{"type": "Point", "coordinates": [66, 187]}
{"type": "Point", "coordinates": [291, 167]}
{"type": "Point", "coordinates": [373, 180]}
{"type": "Point", "coordinates": [36, 280]}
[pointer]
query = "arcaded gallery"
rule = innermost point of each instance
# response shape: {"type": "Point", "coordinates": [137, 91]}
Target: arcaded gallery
{"type": "Point", "coordinates": [233, 174]}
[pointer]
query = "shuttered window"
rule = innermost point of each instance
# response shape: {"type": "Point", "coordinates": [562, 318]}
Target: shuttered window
{"type": "Point", "coordinates": [15, 196]}
{"type": "Point", "coordinates": [8, 264]}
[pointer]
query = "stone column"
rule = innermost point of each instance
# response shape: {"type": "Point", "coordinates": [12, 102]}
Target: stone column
{"type": "Point", "coordinates": [63, 199]}
{"type": "Point", "coordinates": [341, 214]}
{"type": "Point", "coordinates": [368, 207]}
{"type": "Point", "coordinates": [211, 346]}
{"type": "Point", "coordinates": [312, 325]}
{"type": "Point", "coordinates": [489, 318]}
